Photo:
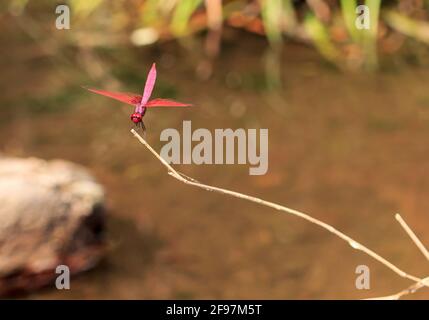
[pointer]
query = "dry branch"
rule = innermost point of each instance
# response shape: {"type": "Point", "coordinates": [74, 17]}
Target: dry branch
{"type": "Point", "coordinates": [419, 283]}
{"type": "Point", "coordinates": [411, 289]}
{"type": "Point", "coordinates": [413, 236]}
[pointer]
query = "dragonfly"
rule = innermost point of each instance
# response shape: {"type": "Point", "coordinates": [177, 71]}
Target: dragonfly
{"type": "Point", "coordinates": [141, 103]}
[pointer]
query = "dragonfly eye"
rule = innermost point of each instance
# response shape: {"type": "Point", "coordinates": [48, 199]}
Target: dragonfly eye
{"type": "Point", "coordinates": [136, 117]}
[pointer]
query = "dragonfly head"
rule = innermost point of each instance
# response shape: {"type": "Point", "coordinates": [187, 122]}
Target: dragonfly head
{"type": "Point", "coordinates": [136, 117]}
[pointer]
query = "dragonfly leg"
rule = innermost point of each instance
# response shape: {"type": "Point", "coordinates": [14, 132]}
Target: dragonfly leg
{"type": "Point", "coordinates": [143, 128]}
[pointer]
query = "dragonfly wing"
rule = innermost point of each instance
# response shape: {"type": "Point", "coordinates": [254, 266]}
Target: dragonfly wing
{"type": "Point", "coordinates": [130, 98]}
{"type": "Point", "coordinates": [165, 103]}
{"type": "Point", "coordinates": [150, 83]}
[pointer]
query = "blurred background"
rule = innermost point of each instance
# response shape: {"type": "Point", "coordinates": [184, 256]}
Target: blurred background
{"type": "Point", "coordinates": [348, 118]}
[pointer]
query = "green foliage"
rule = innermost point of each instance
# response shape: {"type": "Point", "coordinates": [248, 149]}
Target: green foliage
{"type": "Point", "coordinates": [84, 8]}
{"type": "Point", "coordinates": [182, 14]}
{"type": "Point", "coordinates": [272, 18]}
{"type": "Point", "coordinates": [320, 36]}
{"type": "Point", "coordinates": [365, 39]}
{"type": "Point", "coordinates": [415, 29]}
{"type": "Point", "coordinates": [321, 22]}
{"type": "Point", "coordinates": [370, 36]}
{"type": "Point", "coordinates": [348, 8]}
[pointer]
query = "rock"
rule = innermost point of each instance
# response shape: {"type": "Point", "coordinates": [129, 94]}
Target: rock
{"type": "Point", "coordinates": [51, 213]}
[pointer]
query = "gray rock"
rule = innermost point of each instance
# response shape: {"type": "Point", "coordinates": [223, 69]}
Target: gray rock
{"type": "Point", "coordinates": [51, 213]}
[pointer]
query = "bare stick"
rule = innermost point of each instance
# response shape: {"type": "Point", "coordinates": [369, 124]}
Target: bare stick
{"type": "Point", "coordinates": [413, 236]}
{"type": "Point", "coordinates": [354, 244]}
{"type": "Point", "coordinates": [411, 289]}
{"type": "Point", "coordinates": [418, 285]}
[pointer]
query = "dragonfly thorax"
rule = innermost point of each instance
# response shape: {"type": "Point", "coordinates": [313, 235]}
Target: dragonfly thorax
{"type": "Point", "coordinates": [136, 117]}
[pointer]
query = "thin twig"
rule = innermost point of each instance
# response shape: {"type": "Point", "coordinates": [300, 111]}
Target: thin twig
{"type": "Point", "coordinates": [411, 289]}
{"type": "Point", "coordinates": [353, 243]}
{"type": "Point", "coordinates": [418, 285]}
{"type": "Point", "coordinates": [413, 236]}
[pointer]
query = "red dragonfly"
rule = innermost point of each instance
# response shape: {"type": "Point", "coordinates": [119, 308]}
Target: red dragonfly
{"type": "Point", "coordinates": [141, 103]}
